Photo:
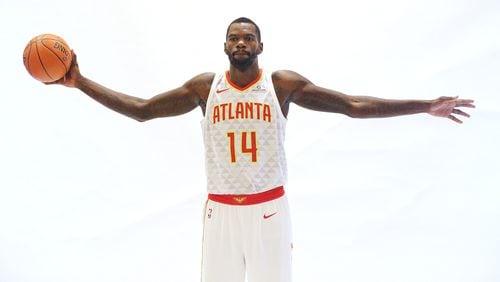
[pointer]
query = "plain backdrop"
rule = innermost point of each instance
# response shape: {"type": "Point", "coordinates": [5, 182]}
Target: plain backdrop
{"type": "Point", "coordinates": [89, 195]}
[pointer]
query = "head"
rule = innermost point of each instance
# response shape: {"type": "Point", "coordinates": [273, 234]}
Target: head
{"type": "Point", "coordinates": [243, 42]}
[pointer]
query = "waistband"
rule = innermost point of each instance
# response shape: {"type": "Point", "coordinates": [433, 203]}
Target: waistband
{"type": "Point", "coordinates": [248, 199]}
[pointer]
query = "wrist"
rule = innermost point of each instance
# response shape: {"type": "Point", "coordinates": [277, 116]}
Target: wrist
{"type": "Point", "coordinates": [428, 106]}
{"type": "Point", "coordinates": [80, 82]}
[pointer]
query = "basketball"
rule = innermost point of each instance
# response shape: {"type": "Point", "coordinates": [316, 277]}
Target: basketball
{"type": "Point", "coordinates": [47, 57]}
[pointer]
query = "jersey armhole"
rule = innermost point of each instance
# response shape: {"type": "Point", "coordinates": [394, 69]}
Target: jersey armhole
{"type": "Point", "coordinates": [217, 78]}
{"type": "Point", "coordinates": [269, 76]}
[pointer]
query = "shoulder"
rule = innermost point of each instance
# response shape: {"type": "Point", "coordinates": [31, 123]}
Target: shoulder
{"type": "Point", "coordinates": [200, 84]}
{"type": "Point", "coordinates": [288, 78]}
{"type": "Point", "coordinates": [286, 75]}
{"type": "Point", "coordinates": [201, 79]}
{"type": "Point", "coordinates": [287, 82]}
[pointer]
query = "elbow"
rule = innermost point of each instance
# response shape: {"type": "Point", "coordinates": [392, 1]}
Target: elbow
{"type": "Point", "coordinates": [353, 110]}
{"type": "Point", "coordinates": [140, 119]}
{"type": "Point", "coordinates": [359, 109]}
{"type": "Point", "coordinates": [141, 113]}
{"type": "Point", "coordinates": [142, 116]}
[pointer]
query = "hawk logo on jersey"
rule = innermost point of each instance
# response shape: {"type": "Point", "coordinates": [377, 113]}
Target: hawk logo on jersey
{"type": "Point", "coordinates": [239, 200]}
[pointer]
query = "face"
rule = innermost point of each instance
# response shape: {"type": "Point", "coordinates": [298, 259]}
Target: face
{"type": "Point", "coordinates": [242, 45]}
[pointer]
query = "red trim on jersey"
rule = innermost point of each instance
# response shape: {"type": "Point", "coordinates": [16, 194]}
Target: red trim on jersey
{"type": "Point", "coordinates": [247, 86]}
{"type": "Point", "coordinates": [248, 199]}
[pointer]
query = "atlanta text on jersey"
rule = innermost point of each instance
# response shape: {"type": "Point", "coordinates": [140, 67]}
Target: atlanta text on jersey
{"type": "Point", "coordinates": [241, 110]}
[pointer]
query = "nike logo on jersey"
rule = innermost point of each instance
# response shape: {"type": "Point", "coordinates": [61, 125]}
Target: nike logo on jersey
{"type": "Point", "coordinates": [266, 216]}
{"type": "Point", "coordinates": [218, 91]}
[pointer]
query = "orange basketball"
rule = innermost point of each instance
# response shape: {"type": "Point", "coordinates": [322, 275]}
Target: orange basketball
{"type": "Point", "coordinates": [47, 57]}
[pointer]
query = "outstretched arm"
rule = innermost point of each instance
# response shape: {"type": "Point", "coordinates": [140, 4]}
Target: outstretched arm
{"type": "Point", "coordinates": [171, 103]}
{"type": "Point", "coordinates": [292, 87]}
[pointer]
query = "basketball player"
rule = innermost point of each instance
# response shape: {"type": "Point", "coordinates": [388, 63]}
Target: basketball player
{"type": "Point", "coordinates": [246, 224]}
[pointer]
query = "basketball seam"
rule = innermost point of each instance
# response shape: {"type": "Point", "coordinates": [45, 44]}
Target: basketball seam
{"type": "Point", "coordinates": [28, 59]}
{"type": "Point", "coordinates": [41, 63]}
{"type": "Point", "coordinates": [65, 68]}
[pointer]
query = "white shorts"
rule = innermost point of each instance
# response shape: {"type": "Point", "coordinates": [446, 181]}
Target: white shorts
{"type": "Point", "coordinates": [252, 241]}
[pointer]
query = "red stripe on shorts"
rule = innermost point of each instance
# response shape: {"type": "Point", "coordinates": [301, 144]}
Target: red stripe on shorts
{"type": "Point", "coordinates": [248, 199]}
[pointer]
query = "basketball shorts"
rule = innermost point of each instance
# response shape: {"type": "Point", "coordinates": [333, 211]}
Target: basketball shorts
{"type": "Point", "coordinates": [247, 237]}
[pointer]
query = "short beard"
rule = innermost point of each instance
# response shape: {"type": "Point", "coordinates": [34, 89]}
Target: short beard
{"type": "Point", "coordinates": [242, 64]}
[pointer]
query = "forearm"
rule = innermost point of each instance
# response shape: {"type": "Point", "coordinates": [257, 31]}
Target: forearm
{"type": "Point", "coordinates": [127, 105]}
{"type": "Point", "coordinates": [372, 107]}
{"type": "Point", "coordinates": [327, 100]}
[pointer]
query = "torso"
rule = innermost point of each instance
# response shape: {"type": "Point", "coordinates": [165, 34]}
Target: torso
{"type": "Point", "coordinates": [244, 132]}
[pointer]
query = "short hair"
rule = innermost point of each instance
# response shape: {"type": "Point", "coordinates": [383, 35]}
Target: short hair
{"type": "Point", "coordinates": [244, 20]}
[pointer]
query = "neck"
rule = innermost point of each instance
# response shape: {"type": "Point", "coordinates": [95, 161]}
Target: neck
{"type": "Point", "coordinates": [242, 77]}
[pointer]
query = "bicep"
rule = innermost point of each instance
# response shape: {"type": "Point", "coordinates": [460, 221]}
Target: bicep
{"type": "Point", "coordinates": [171, 103]}
{"type": "Point", "coordinates": [180, 100]}
{"type": "Point", "coordinates": [317, 98]}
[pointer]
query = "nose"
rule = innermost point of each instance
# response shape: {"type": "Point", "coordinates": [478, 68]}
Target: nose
{"type": "Point", "coordinates": [241, 44]}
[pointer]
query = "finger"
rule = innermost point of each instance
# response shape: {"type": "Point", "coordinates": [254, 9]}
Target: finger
{"type": "Point", "coordinates": [53, 82]}
{"type": "Point", "coordinates": [459, 112]}
{"type": "Point", "coordinates": [465, 103]}
{"type": "Point", "coordinates": [455, 119]}
{"type": "Point", "coordinates": [448, 99]}
{"type": "Point", "coordinates": [74, 60]}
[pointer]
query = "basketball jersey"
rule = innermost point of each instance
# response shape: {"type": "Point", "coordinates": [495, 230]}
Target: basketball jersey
{"type": "Point", "coordinates": [244, 133]}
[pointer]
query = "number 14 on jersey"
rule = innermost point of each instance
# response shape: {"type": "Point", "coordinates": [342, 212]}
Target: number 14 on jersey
{"type": "Point", "coordinates": [248, 142]}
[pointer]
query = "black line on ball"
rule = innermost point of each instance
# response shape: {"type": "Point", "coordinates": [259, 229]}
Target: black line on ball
{"type": "Point", "coordinates": [40, 59]}
{"type": "Point", "coordinates": [62, 62]}
{"type": "Point", "coordinates": [28, 59]}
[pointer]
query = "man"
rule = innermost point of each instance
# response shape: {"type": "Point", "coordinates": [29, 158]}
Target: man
{"type": "Point", "coordinates": [247, 224]}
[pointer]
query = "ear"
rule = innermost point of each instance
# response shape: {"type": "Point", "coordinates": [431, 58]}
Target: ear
{"type": "Point", "coordinates": [225, 49]}
{"type": "Point", "coordinates": [261, 48]}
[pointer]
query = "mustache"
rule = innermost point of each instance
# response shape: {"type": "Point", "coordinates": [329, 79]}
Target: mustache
{"type": "Point", "coordinates": [240, 52]}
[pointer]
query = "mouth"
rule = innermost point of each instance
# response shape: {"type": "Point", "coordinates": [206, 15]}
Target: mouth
{"type": "Point", "coordinates": [241, 53]}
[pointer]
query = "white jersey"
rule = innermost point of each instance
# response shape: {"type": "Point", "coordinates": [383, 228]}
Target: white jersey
{"type": "Point", "coordinates": [244, 133]}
